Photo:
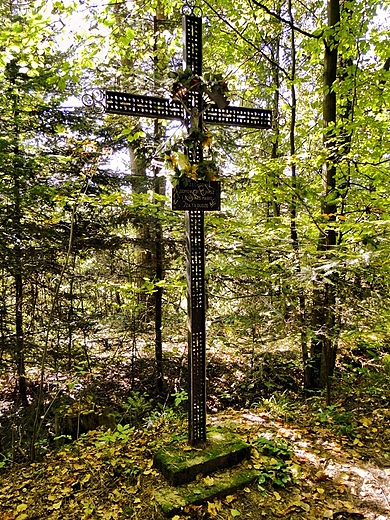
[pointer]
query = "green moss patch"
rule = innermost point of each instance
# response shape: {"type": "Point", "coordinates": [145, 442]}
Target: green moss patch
{"type": "Point", "coordinates": [172, 500]}
{"type": "Point", "coordinates": [180, 463]}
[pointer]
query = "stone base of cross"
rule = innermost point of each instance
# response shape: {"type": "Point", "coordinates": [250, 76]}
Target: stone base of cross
{"type": "Point", "coordinates": [206, 198]}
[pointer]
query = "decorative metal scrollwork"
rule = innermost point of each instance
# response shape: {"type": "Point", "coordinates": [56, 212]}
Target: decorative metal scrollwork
{"type": "Point", "coordinates": [190, 8]}
{"type": "Point", "coordinates": [95, 98]}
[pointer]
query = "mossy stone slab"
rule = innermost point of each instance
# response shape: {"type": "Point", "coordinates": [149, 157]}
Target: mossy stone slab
{"type": "Point", "coordinates": [181, 464]}
{"type": "Point", "coordinates": [173, 500]}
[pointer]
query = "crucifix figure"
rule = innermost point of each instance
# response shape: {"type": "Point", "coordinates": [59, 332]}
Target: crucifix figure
{"type": "Point", "coordinates": [193, 111]}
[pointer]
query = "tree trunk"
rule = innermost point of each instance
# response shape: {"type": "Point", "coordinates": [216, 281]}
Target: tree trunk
{"type": "Point", "coordinates": [293, 205]}
{"type": "Point", "coordinates": [159, 188]}
{"type": "Point", "coordinates": [17, 267]}
{"type": "Point", "coordinates": [323, 345]}
{"type": "Point", "coordinates": [159, 276]}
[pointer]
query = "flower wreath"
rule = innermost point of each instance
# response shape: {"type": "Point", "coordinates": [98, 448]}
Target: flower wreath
{"type": "Point", "coordinates": [179, 163]}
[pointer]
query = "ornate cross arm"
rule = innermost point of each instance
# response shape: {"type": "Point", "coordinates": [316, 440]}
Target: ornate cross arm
{"type": "Point", "coordinates": [144, 106]}
{"type": "Point", "coordinates": [237, 116]}
{"type": "Point", "coordinates": [160, 108]}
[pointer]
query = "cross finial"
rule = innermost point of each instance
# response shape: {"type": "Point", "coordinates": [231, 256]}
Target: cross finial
{"type": "Point", "coordinates": [190, 8]}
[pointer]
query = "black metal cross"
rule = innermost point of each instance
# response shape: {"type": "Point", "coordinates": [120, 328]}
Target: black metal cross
{"type": "Point", "coordinates": [160, 108]}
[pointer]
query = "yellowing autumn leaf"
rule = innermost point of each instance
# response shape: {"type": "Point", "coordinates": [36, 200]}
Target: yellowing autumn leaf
{"type": "Point", "coordinates": [277, 496]}
{"type": "Point", "coordinates": [211, 509]}
{"type": "Point", "coordinates": [321, 491]}
{"type": "Point", "coordinates": [208, 481]}
{"type": "Point", "coordinates": [23, 516]}
{"type": "Point", "coordinates": [86, 479]}
{"type": "Point", "coordinates": [230, 498]}
{"type": "Point", "coordinates": [348, 505]}
{"type": "Point", "coordinates": [302, 505]}
{"type": "Point", "coordinates": [235, 513]}
{"type": "Point", "coordinates": [21, 507]}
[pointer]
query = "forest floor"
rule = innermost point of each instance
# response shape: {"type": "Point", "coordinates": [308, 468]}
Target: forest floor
{"type": "Point", "coordinates": [316, 461]}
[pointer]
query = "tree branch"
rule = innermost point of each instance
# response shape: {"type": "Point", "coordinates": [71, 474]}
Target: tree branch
{"type": "Point", "coordinates": [272, 62]}
{"type": "Point", "coordinates": [286, 22]}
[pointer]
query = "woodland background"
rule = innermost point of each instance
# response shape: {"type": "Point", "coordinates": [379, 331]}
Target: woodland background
{"type": "Point", "coordinates": [92, 258]}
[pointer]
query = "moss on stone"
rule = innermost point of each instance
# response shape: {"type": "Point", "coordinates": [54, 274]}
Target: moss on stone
{"type": "Point", "coordinates": [172, 500]}
{"type": "Point", "coordinates": [181, 463]}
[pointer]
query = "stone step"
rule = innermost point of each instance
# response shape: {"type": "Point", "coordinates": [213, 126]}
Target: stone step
{"type": "Point", "coordinates": [180, 463]}
{"type": "Point", "coordinates": [173, 500]}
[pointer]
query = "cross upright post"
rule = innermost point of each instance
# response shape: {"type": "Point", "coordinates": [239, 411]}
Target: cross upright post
{"type": "Point", "coordinates": [196, 291]}
{"type": "Point", "coordinates": [175, 109]}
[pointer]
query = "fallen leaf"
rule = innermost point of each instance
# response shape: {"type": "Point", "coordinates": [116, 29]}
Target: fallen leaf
{"type": "Point", "coordinates": [235, 512]}
{"type": "Point", "coordinates": [86, 479]}
{"type": "Point", "coordinates": [208, 481]}
{"type": "Point", "coordinates": [348, 505]}
{"type": "Point", "coordinates": [320, 475]}
{"type": "Point", "coordinates": [302, 505]}
{"type": "Point", "coordinates": [230, 498]}
{"type": "Point", "coordinates": [295, 470]}
{"type": "Point", "coordinates": [193, 509]}
{"type": "Point", "coordinates": [211, 509]}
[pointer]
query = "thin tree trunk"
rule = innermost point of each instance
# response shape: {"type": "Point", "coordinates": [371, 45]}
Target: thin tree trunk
{"type": "Point", "coordinates": [159, 188]}
{"type": "Point", "coordinates": [276, 143]}
{"type": "Point", "coordinates": [293, 205]}
{"type": "Point", "coordinates": [158, 297]}
{"type": "Point", "coordinates": [17, 267]}
{"type": "Point", "coordinates": [70, 316]}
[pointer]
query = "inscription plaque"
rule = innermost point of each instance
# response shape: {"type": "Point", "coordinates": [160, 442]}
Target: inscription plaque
{"type": "Point", "coordinates": [197, 196]}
